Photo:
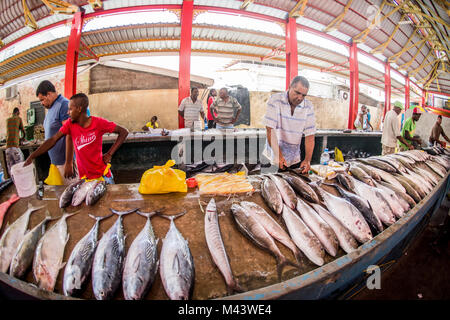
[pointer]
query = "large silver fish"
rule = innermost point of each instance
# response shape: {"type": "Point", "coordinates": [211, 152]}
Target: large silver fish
{"type": "Point", "coordinates": [368, 170]}
{"type": "Point", "coordinates": [303, 237]}
{"type": "Point", "coordinates": [319, 227]}
{"type": "Point", "coordinates": [12, 237]}
{"type": "Point", "coordinates": [176, 264]}
{"type": "Point", "coordinates": [109, 257]}
{"type": "Point", "coordinates": [79, 265]}
{"type": "Point", "coordinates": [348, 215]}
{"type": "Point", "coordinates": [364, 207]}
{"type": "Point", "coordinates": [272, 227]}
{"type": "Point", "coordinates": [271, 195]}
{"type": "Point", "coordinates": [49, 254]}
{"type": "Point", "coordinates": [95, 193]}
{"type": "Point", "coordinates": [409, 188]}
{"type": "Point", "coordinates": [387, 177]}
{"type": "Point", "coordinates": [301, 187]}
{"type": "Point", "coordinates": [378, 164]}
{"type": "Point", "coordinates": [80, 194]}
{"type": "Point", "coordinates": [23, 258]}
{"type": "Point", "coordinates": [141, 263]}
{"type": "Point", "coordinates": [346, 240]}
{"type": "Point", "coordinates": [400, 193]}
{"type": "Point", "coordinates": [67, 195]}
{"type": "Point", "coordinates": [397, 205]}
{"type": "Point", "coordinates": [361, 175]}
{"type": "Point", "coordinates": [376, 200]}
{"type": "Point", "coordinates": [217, 248]}
{"type": "Point", "coordinates": [437, 168]}
{"type": "Point", "coordinates": [251, 228]}
{"type": "Point", "coordinates": [288, 195]}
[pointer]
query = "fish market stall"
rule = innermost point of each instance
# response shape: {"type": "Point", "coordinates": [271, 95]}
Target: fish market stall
{"type": "Point", "coordinates": [325, 268]}
{"type": "Point", "coordinates": [142, 150]}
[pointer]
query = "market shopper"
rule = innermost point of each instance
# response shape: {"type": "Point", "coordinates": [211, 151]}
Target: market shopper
{"type": "Point", "coordinates": [86, 133]}
{"type": "Point", "coordinates": [362, 121]}
{"type": "Point", "coordinates": [56, 115]}
{"type": "Point", "coordinates": [211, 96]}
{"type": "Point", "coordinates": [288, 118]}
{"type": "Point", "coordinates": [436, 133]}
{"type": "Point", "coordinates": [190, 108]}
{"type": "Point", "coordinates": [14, 127]}
{"type": "Point", "coordinates": [153, 124]}
{"type": "Point", "coordinates": [408, 131]}
{"type": "Point", "coordinates": [225, 110]}
{"type": "Point", "coordinates": [391, 130]}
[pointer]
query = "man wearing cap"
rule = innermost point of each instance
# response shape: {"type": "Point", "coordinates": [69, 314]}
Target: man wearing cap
{"type": "Point", "coordinates": [408, 131]}
{"type": "Point", "coordinates": [391, 130]}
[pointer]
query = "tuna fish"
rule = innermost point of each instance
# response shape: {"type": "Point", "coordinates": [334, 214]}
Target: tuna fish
{"type": "Point", "coordinates": [303, 237]}
{"type": "Point", "coordinates": [346, 240]}
{"type": "Point", "coordinates": [397, 205]}
{"type": "Point", "coordinates": [409, 188]}
{"type": "Point", "coordinates": [5, 206]}
{"type": "Point", "coordinates": [109, 257]}
{"type": "Point", "coordinates": [368, 170]}
{"type": "Point", "coordinates": [376, 200]}
{"type": "Point", "coordinates": [288, 195]}
{"type": "Point", "coordinates": [80, 194]}
{"type": "Point", "coordinates": [348, 215]}
{"type": "Point", "coordinates": [436, 167]}
{"type": "Point", "coordinates": [399, 193]}
{"type": "Point", "coordinates": [177, 270]}
{"type": "Point", "coordinates": [302, 188]}
{"type": "Point", "coordinates": [217, 248]}
{"type": "Point", "coordinates": [23, 258]}
{"type": "Point", "coordinates": [389, 178]}
{"type": "Point", "coordinates": [272, 227]}
{"type": "Point", "coordinates": [66, 196]}
{"type": "Point", "coordinates": [346, 181]}
{"type": "Point", "coordinates": [319, 227]}
{"type": "Point", "coordinates": [12, 237]}
{"type": "Point", "coordinates": [141, 263]}
{"type": "Point", "coordinates": [79, 265]}
{"type": "Point", "coordinates": [271, 195]}
{"type": "Point", "coordinates": [392, 162]}
{"type": "Point", "coordinates": [251, 228]}
{"type": "Point", "coordinates": [426, 175]}
{"type": "Point", "coordinates": [378, 164]}
{"type": "Point", "coordinates": [96, 193]}
{"type": "Point", "coordinates": [361, 175]}
{"type": "Point", "coordinates": [364, 207]}
{"type": "Point", "coordinates": [49, 254]}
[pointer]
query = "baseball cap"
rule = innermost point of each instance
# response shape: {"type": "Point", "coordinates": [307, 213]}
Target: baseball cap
{"type": "Point", "coordinates": [398, 104]}
{"type": "Point", "coordinates": [417, 110]}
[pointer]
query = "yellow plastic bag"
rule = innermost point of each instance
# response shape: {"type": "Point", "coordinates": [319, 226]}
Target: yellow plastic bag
{"type": "Point", "coordinates": [99, 178]}
{"type": "Point", "coordinates": [338, 155]}
{"type": "Point", "coordinates": [54, 177]}
{"type": "Point", "coordinates": [163, 179]}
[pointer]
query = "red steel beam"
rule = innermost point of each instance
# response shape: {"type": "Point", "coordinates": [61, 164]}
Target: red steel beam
{"type": "Point", "coordinates": [73, 48]}
{"type": "Point", "coordinates": [354, 85]}
{"type": "Point", "coordinates": [291, 51]}
{"type": "Point", "coordinates": [440, 93]}
{"type": "Point", "coordinates": [407, 94]}
{"type": "Point", "coordinates": [184, 74]}
{"type": "Point", "coordinates": [424, 94]}
{"type": "Point", "coordinates": [387, 88]}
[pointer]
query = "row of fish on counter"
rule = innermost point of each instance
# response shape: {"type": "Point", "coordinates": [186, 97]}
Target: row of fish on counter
{"type": "Point", "coordinates": [374, 192]}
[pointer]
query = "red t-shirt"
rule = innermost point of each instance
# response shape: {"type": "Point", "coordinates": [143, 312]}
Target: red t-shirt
{"type": "Point", "coordinates": [87, 144]}
{"type": "Point", "coordinates": [210, 102]}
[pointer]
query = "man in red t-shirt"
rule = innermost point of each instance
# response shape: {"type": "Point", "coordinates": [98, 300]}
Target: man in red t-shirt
{"type": "Point", "coordinates": [87, 136]}
{"type": "Point", "coordinates": [211, 96]}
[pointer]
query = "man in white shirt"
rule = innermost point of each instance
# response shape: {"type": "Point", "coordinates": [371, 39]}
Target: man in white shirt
{"type": "Point", "coordinates": [289, 116]}
{"type": "Point", "coordinates": [190, 108]}
{"type": "Point", "coordinates": [391, 130]}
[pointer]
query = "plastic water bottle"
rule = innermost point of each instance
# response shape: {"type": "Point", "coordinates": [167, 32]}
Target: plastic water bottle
{"type": "Point", "coordinates": [325, 157]}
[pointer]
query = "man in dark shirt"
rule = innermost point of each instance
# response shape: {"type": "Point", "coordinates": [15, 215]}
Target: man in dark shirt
{"type": "Point", "coordinates": [14, 126]}
{"type": "Point", "coordinates": [436, 132]}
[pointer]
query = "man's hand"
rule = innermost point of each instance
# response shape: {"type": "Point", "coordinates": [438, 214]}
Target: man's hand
{"type": "Point", "coordinates": [68, 170]}
{"type": "Point", "coordinates": [281, 162]}
{"type": "Point", "coordinates": [306, 165]}
{"type": "Point", "coordinates": [107, 158]}
{"type": "Point", "coordinates": [28, 161]}
{"type": "Point", "coordinates": [411, 147]}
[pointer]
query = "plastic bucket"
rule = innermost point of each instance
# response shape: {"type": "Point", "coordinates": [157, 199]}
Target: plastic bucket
{"type": "Point", "coordinates": [24, 179]}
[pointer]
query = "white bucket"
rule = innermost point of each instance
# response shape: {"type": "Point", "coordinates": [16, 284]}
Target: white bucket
{"type": "Point", "coordinates": [24, 179]}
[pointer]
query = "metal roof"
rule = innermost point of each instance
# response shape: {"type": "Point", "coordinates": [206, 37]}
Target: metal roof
{"type": "Point", "coordinates": [240, 41]}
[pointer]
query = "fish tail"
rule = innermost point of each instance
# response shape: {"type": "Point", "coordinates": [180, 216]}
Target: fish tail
{"type": "Point", "coordinates": [100, 218]}
{"type": "Point", "coordinates": [234, 287]}
{"type": "Point", "coordinates": [33, 208]}
{"type": "Point", "coordinates": [121, 213]}
{"type": "Point", "coordinates": [68, 214]}
{"type": "Point", "coordinates": [172, 217]}
{"type": "Point", "coordinates": [149, 214]}
{"type": "Point", "coordinates": [283, 262]}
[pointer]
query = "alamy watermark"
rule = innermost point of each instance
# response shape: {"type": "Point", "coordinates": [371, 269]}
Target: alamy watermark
{"type": "Point", "coordinates": [374, 280]}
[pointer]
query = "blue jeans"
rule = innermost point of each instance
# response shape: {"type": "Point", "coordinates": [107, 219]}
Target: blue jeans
{"type": "Point", "coordinates": [230, 126]}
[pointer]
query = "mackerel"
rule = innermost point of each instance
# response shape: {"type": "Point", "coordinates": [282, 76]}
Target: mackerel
{"type": "Point", "coordinates": [271, 195]}
{"type": "Point", "coordinates": [288, 195]}
{"type": "Point", "coordinates": [302, 188]}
